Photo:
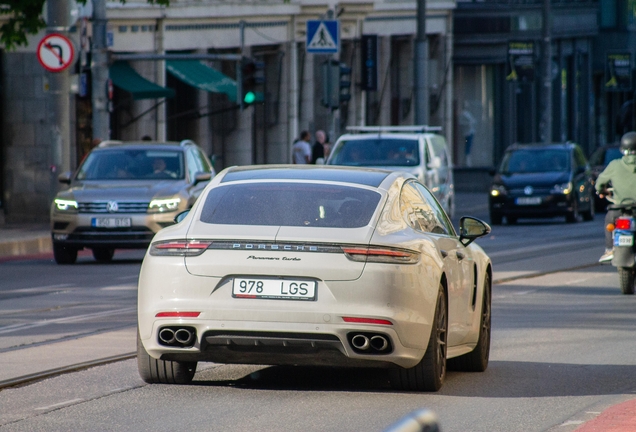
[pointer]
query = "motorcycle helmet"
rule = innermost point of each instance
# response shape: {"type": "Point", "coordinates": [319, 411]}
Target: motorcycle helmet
{"type": "Point", "coordinates": [628, 144]}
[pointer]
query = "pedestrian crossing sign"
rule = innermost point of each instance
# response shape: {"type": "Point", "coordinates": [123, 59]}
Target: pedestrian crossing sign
{"type": "Point", "coordinates": [323, 36]}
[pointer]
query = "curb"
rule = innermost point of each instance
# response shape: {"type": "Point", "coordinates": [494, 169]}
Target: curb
{"type": "Point", "coordinates": [28, 246]}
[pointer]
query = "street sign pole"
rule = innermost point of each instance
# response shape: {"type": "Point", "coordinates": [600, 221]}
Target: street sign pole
{"type": "Point", "coordinates": [58, 106]}
{"type": "Point", "coordinates": [99, 73]}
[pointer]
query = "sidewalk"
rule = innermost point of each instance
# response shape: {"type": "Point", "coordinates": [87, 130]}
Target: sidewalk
{"type": "Point", "coordinates": [24, 239]}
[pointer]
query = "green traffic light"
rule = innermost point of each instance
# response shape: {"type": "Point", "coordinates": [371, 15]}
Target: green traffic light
{"type": "Point", "coordinates": [249, 98]}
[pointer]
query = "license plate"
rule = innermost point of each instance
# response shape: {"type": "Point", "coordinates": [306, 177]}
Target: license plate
{"type": "Point", "coordinates": [623, 240]}
{"type": "Point", "coordinates": [281, 289]}
{"type": "Point", "coordinates": [111, 222]}
{"type": "Point", "coordinates": [528, 201]}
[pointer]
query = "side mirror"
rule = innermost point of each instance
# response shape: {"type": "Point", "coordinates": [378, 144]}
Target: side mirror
{"type": "Point", "coordinates": [202, 177]}
{"type": "Point", "coordinates": [435, 162]}
{"type": "Point", "coordinates": [65, 177]}
{"type": "Point", "coordinates": [471, 228]}
{"type": "Point", "coordinates": [181, 216]}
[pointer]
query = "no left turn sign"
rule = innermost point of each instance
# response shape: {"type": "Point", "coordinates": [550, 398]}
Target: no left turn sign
{"type": "Point", "coordinates": [55, 52]}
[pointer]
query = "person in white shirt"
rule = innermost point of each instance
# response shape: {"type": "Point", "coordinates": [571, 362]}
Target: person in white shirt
{"type": "Point", "coordinates": [301, 150]}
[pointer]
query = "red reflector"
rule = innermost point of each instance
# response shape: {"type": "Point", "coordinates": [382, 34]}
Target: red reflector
{"type": "Point", "coordinates": [178, 314]}
{"type": "Point", "coordinates": [623, 224]}
{"type": "Point", "coordinates": [366, 320]}
{"type": "Point", "coordinates": [183, 245]}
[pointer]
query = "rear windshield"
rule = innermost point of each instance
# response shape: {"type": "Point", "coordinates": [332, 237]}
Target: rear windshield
{"type": "Point", "coordinates": [377, 152]}
{"type": "Point", "coordinates": [535, 161]}
{"type": "Point", "coordinates": [290, 204]}
{"type": "Point", "coordinates": [132, 164]}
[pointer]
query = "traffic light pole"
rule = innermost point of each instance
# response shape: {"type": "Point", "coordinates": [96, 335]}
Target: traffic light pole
{"type": "Point", "coordinates": [420, 75]}
{"type": "Point", "coordinates": [99, 72]}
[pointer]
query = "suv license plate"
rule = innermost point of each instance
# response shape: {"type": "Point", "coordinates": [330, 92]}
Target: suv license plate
{"type": "Point", "coordinates": [529, 201]}
{"type": "Point", "coordinates": [279, 289]}
{"type": "Point", "coordinates": [624, 240]}
{"type": "Point", "coordinates": [111, 222]}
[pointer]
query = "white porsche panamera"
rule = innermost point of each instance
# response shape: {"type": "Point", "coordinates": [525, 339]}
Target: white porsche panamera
{"type": "Point", "coordinates": [316, 265]}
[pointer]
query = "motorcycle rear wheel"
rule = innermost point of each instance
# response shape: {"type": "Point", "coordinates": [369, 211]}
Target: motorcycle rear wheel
{"type": "Point", "coordinates": [626, 279]}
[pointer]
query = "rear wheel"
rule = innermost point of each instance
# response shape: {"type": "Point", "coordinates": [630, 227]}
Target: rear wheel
{"type": "Point", "coordinates": [573, 216]}
{"type": "Point", "coordinates": [626, 279]}
{"type": "Point", "coordinates": [495, 219]}
{"type": "Point", "coordinates": [64, 254]}
{"type": "Point", "coordinates": [589, 215]}
{"type": "Point", "coordinates": [477, 359]}
{"type": "Point", "coordinates": [155, 371]}
{"type": "Point", "coordinates": [429, 373]}
{"type": "Point", "coordinates": [103, 254]}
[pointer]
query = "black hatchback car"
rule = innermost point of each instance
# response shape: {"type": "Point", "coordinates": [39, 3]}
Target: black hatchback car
{"type": "Point", "coordinates": [540, 181]}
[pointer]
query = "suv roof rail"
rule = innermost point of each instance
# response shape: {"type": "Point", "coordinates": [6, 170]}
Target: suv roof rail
{"type": "Point", "coordinates": [110, 143]}
{"type": "Point", "coordinates": [415, 128]}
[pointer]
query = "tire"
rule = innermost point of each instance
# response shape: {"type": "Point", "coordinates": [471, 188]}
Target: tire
{"type": "Point", "coordinates": [477, 359]}
{"type": "Point", "coordinates": [429, 374]}
{"type": "Point", "coordinates": [626, 279]}
{"type": "Point", "coordinates": [64, 254]}
{"type": "Point", "coordinates": [496, 219]}
{"type": "Point", "coordinates": [103, 254]}
{"type": "Point", "coordinates": [589, 215]}
{"type": "Point", "coordinates": [155, 371]}
{"type": "Point", "coordinates": [573, 216]}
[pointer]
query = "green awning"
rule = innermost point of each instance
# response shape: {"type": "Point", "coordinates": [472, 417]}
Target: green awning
{"type": "Point", "coordinates": [198, 75]}
{"type": "Point", "coordinates": [126, 78]}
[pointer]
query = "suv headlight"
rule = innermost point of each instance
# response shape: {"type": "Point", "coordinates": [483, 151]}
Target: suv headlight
{"type": "Point", "coordinates": [563, 188]}
{"type": "Point", "coordinates": [164, 205]}
{"type": "Point", "coordinates": [63, 205]}
{"type": "Point", "coordinates": [497, 190]}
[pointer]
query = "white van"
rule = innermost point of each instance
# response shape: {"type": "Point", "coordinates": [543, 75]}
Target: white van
{"type": "Point", "coordinates": [415, 149]}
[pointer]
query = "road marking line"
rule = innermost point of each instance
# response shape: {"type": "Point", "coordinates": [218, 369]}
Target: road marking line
{"type": "Point", "coordinates": [573, 422]}
{"type": "Point", "coordinates": [72, 401]}
{"type": "Point", "coordinates": [22, 326]}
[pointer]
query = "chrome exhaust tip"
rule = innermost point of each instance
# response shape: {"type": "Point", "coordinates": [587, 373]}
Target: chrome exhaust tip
{"type": "Point", "coordinates": [360, 342]}
{"type": "Point", "coordinates": [183, 336]}
{"type": "Point", "coordinates": [379, 343]}
{"type": "Point", "coordinates": [166, 336]}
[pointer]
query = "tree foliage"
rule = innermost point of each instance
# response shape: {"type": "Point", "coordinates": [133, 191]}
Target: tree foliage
{"type": "Point", "coordinates": [25, 17]}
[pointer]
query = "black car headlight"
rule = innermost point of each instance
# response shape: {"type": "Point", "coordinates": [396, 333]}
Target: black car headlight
{"type": "Point", "coordinates": [497, 190]}
{"type": "Point", "coordinates": [562, 188]}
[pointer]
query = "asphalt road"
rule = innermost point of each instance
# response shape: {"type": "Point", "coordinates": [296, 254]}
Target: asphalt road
{"type": "Point", "coordinates": [562, 351]}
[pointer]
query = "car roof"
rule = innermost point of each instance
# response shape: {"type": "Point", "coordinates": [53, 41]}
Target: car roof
{"type": "Point", "coordinates": [144, 144]}
{"type": "Point", "coordinates": [385, 135]}
{"type": "Point", "coordinates": [356, 175]}
{"type": "Point", "coordinates": [539, 146]}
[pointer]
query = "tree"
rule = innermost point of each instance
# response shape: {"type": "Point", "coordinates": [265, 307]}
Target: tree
{"type": "Point", "coordinates": [25, 17]}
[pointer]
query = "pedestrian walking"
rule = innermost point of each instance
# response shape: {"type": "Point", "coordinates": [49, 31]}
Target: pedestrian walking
{"type": "Point", "coordinates": [301, 150]}
{"type": "Point", "coordinates": [318, 149]}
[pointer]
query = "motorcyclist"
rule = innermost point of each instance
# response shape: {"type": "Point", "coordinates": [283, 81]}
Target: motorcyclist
{"type": "Point", "coordinates": [621, 173]}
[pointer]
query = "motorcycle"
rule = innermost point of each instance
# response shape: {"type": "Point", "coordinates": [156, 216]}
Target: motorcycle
{"type": "Point", "coordinates": [623, 230]}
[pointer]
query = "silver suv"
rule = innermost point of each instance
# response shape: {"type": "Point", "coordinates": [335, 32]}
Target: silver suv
{"type": "Point", "coordinates": [123, 193]}
{"type": "Point", "coordinates": [417, 150]}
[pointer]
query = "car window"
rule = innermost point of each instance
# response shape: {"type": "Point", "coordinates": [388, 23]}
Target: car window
{"type": "Point", "coordinates": [420, 213]}
{"type": "Point", "coordinates": [376, 152]}
{"type": "Point", "coordinates": [535, 161]}
{"type": "Point", "coordinates": [132, 164]}
{"type": "Point", "coordinates": [192, 163]}
{"type": "Point", "coordinates": [290, 204]}
{"type": "Point", "coordinates": [579, 158]}
{"type": "Point", "coordinates": [611, 154]}
{"type": "Point", "coordinates": [205, 165]}
{"type": "Point", "coordinates": [439, 147]}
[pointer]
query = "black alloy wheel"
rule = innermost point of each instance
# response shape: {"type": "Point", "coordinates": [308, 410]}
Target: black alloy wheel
{"type": "Point", "coordinates": [477, 359]}
{"type": "Point", "coordinates": [429, 374]}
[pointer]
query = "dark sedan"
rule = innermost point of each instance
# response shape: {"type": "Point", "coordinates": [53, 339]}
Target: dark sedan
{"type": "Point", "coordinates": [541, 181]}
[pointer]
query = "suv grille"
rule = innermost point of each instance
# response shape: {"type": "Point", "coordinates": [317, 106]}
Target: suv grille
{"type": "Point", "coordinates": [122, 207]}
